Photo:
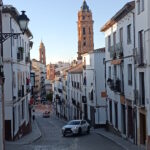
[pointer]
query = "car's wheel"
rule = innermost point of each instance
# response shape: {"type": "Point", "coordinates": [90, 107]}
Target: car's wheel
{"type": "Point", "coordinates": [88, 130]}
{"type": "Point", "coordinates": [79, 131]}
{"type": "Point", "coordinates": [64, 134]}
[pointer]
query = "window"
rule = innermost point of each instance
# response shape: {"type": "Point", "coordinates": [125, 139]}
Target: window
{"type": "Point", "coordinates": [121, 35]}
{"type": "Point", "coordinates": [83, 17]}
{"type": "Point", "coordinates": [110, 111]}
{"type": "Point", "coordinates": [109, 72]}
{"type": "Point", "coordinates": [142, 88]}
{"type": "Point", "coordinates": [109, 42]}
{"type": "Point", "coordinates": [116, 115]}
{"type": "Point", "coordinates": [114, 40]}
{"type": "Point", "coordinates": [83, 31]}
{"type": "Point", "coordinates": [84, 43]}
{"type": "Point", "coordinates": [141, 47]}
{"type": "Point", "coordinates": [129, 74]}
{"type": "Point", "coordinates": [84, 81]}
{"type": "Point", "coordinates": [89, 30]}
{"type": "Point", "coordinates": [129, 34]}
{"type": "Point", "coordinates": [22, 109]}
{"type": "Point", "coordinates": [140, 6]}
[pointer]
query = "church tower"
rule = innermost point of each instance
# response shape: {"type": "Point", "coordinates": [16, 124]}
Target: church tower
{"type": "Point", "coordinates": [42, 53]}
{"type": "Point", "coordinates": [85, 30]}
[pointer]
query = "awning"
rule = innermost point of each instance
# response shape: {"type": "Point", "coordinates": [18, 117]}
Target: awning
{"type": "Point", "coordinates": [116, 62]}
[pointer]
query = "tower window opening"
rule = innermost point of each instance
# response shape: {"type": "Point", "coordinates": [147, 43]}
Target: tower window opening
{"type": "Point", "coordinates": [89, 30]}
{"type": "Point", "coordinates": [83, 31]}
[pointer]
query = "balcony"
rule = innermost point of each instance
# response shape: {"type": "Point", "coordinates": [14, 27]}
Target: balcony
{"type": "Point", "coordinates": [116, 51]}
{"type": "Point", "coordinates": [114, 85]}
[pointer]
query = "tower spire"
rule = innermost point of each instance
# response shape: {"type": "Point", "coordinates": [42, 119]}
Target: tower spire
{"type": "Point", "coordinates": [85, 30]}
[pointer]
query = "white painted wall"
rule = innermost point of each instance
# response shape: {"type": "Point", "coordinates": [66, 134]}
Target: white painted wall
{"type": "Point", "coordinates": [128, 54]}
{"type": "Point", "coordinates": [94, 73]}
{"type": "Point", "coordinates": [11, 69]}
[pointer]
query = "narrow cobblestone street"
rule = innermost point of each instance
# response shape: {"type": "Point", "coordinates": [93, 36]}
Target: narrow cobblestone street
{"type": "Point", "coordinates": [52, 139]}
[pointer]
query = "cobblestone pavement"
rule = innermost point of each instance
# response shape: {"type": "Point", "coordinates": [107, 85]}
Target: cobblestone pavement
{"type": "Point", "coordinates": [52, 139]}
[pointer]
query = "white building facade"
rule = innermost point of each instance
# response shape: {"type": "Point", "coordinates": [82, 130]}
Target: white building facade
{"type": "Point", "coordinates": [16, 57]}
{"type": "Point", "coordinates": [143, 71]}
{"type": "Point", "coordinates": [129, 103]}
{"type": "Point", "coordinates": [40, 77]}
{"type": "Point", "coordinates": [94, 86]}
{"type": "Point", "coordinates": [75, 93]}
{"type": "Point", "coordinates": [120, 45]}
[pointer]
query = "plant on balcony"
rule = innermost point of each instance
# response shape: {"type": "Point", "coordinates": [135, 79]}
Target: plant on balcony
{"type": "Point", "coordinates": [21, 49]}
{"type": "Point", "coordinates": [109, 80]}
{"type": "Point", "coordinates": [120, 54]}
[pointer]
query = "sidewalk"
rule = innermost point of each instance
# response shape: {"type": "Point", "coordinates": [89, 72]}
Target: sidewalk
{"type": "Point", "coordinates": [34, 135]}
{"type": "Point", "coordinates": [126, 145]}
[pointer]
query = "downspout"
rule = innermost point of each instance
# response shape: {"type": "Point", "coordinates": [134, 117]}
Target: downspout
{"type": "Point", "coordinates": [12, 71]}
{"type": "Point", "coordinates": [96, 92]}
{"type": "Point", "coordinates": [135, 84]}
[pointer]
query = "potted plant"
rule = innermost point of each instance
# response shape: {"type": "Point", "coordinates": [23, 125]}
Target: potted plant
{"type": "Point", "coordinates": [21, 49]}
{"type": "Point", "coordinates": [109, 80]}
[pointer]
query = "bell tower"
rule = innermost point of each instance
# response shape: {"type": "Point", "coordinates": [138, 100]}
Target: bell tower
{"type": "Point", "coordinates": [42, 53]}
{"type": "Point", "coordinates": [85, 30]}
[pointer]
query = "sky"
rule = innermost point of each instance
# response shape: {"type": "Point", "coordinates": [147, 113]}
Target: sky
{"type": "Point", "coordinates": [55, 23]}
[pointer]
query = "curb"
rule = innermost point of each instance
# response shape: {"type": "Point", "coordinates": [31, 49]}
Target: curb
{"type": "Point", "coordinates": [119, 144]}
{"type": "Point", "coordinates": [28, 142]}
{"type": "Point", "coordinates": [37, 138]}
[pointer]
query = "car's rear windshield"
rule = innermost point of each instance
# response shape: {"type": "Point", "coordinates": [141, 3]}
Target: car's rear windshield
{"type": "Point", "coordinates": [74, 123]}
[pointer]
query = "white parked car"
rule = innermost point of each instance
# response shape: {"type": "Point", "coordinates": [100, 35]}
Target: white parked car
{"type": "Point", "coordinates": [76, 127]}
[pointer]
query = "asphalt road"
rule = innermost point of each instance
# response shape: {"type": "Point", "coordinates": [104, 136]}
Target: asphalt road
{"type": "Point", "coordinates": [52, 139]}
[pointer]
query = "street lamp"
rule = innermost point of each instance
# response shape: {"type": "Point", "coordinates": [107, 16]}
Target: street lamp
{"type": "Point", "coordinates": [23, 21]}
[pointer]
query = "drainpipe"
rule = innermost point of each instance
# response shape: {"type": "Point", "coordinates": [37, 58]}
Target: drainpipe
{"type": "Point", "coordinates": [2, 107]}
{"type": "Point", "coordinates": [12, 70]}
{"type": "Point", "coordinates": [135, 77]}
{"type": "Point", "coordinates": [94, 71]}
{"type": "Point", "coordinates": [135, 83]}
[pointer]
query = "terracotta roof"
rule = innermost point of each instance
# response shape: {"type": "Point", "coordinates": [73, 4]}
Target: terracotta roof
{"type": "Point", "coordinates": [77, 69]}
{"type": "Point", "coordinates": [128, 7]}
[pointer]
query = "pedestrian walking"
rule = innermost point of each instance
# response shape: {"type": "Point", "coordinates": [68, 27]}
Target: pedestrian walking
{"type": "Point", "coordinates": [33, 114]}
